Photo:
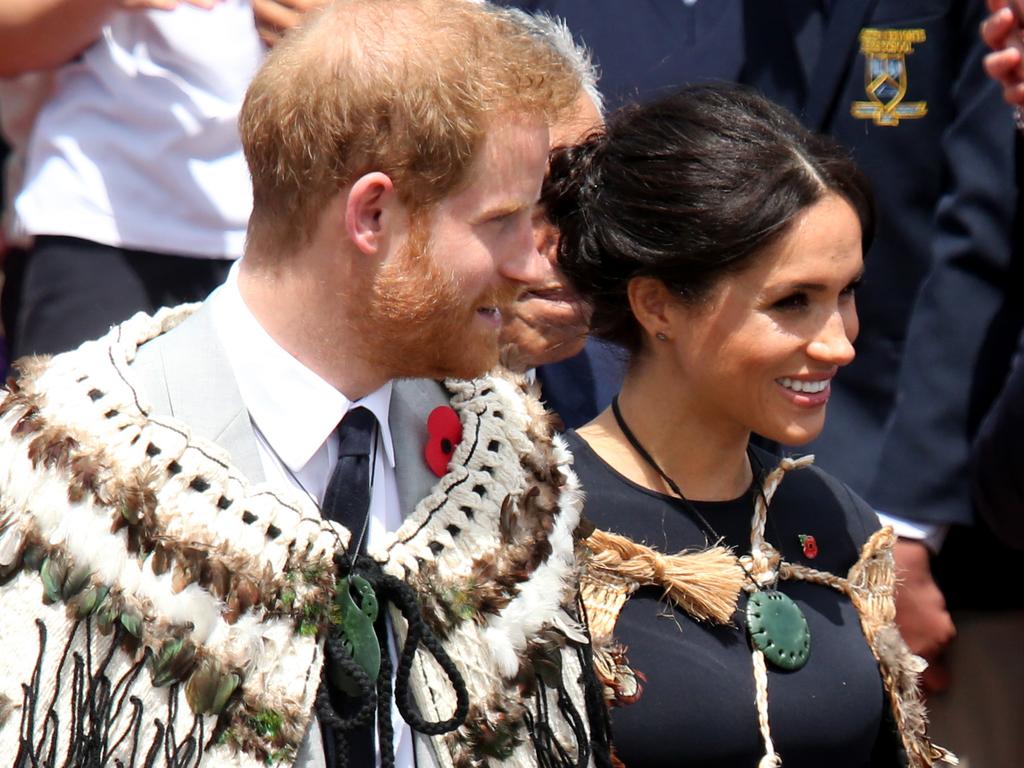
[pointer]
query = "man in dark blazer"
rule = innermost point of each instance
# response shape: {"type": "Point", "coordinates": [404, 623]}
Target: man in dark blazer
{"type": "Point", "coordinates": [900, 83]}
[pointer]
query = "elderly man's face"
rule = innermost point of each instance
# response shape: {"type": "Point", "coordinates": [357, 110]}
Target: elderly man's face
{"type": "Point", "coordinates": [548, 322]}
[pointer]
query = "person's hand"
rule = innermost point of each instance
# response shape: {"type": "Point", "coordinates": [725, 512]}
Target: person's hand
{"type": "Point", "coordinates": [921, 612]}
{"type": "Point", "coordinates": [275, 17]}
{"type": "Point", "coordinates": [1001, 31]}
{"type": "Point", "coordinates": [541, 330]}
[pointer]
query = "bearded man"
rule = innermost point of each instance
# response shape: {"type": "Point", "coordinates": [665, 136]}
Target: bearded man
{"type": "Point", "coordinates": [223, 518]}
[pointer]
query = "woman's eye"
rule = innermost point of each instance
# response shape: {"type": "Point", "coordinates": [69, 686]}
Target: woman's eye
{"type": "Point", "coordinates": [851, 289]}
{"type": "Point", "coordinates": [792, 301]}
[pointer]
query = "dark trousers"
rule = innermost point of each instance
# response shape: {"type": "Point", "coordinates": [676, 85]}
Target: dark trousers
{"type": "Point", "coordinates": [67, 291]}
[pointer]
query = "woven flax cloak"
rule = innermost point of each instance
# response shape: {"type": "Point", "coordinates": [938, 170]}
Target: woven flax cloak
{"type": "Point", "coordinates": [157, 605]}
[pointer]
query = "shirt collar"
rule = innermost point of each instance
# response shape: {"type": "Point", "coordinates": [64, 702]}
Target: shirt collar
{"type": "Point", "coordinates": [295, 409]}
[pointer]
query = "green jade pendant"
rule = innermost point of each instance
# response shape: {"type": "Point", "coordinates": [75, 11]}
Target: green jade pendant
{"type": "Point", "coordinates": [778, 628]}
{"type": "Point", "coordinates": [356, 631]}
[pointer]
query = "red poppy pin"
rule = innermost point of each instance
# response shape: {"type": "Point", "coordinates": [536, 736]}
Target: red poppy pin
{"type": "Point", "coordinates": [809, 544]}
{"type": "Point", "coordinates": [444, 432]}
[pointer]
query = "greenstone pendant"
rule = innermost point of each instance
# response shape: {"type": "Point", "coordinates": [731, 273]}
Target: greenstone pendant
{"type": "Point", "coordinates": [356, 630]}
{"type": "Point", "coordinates": [778, 628]}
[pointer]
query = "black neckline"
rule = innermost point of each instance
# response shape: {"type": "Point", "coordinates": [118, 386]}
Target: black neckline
{"type": "Point", "coordinates": [744, 498]}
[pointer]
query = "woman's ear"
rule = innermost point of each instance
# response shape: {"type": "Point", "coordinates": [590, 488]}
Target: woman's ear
{"type": "Point", "coordinates": [652, 303]}
{"type": "Point", "coordinates": [369, 210]}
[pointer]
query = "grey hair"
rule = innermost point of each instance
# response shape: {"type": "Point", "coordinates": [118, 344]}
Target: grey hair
{"type": "Point", "coordinates": [555, 32]}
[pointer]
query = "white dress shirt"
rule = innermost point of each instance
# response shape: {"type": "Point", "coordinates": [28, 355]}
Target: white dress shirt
{"type": "Point", "coordinates": [296, 414]}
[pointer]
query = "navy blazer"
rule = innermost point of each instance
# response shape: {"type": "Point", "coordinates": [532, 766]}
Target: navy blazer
{"type": "Point", "coordinates": [581, 387]}
{"type": "Point", "coordinates": [998, 465]}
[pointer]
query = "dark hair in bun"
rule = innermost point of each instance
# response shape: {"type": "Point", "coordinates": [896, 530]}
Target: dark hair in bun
{"type": "Point", "coordinates": [688, 189]}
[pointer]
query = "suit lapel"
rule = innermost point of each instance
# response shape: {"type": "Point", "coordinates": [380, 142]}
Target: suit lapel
{"type": "Point", "coordinates": [837, 54]}
{"type": "Point", "coordinates": [412, 400]}
{"type": "Point", "coordinates": [189, 378]}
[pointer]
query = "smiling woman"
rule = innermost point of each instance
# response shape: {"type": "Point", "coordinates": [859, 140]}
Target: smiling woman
{"type": "Point", "coordinates": [721, 244]}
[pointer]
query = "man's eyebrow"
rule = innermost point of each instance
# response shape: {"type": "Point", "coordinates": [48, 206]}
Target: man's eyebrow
{"type": "Point", "coordinates": [503, 209]}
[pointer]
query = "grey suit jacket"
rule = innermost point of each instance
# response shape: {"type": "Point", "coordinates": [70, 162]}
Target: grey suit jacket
{"type": "Point", "coordinates": [185, 374]}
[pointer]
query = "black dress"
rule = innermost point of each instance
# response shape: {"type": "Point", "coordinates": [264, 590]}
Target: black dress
{"type": "Point", "coordinates": [698, 703]}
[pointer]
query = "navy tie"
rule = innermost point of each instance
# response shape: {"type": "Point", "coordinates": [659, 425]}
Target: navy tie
{"type": "Point", "coordinates": [347, 501]}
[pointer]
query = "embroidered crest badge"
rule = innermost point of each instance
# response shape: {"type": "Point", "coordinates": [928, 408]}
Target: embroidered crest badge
{"type": "Point", "coordinates": [885, 76]}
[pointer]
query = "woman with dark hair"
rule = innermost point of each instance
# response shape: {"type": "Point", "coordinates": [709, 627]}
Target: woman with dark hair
{"type": "Point", "coordinates": [721, 244]}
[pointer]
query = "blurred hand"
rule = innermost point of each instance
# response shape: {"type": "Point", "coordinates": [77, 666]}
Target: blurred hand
{"type": "Point", "coordinates": [275, 17]}
{"type": "Point", "coordinates": [921, 612]}
{"type": "Point", "coordinates": [1002, 32]}
{"type": "Point", "coordinates": [541, 331]}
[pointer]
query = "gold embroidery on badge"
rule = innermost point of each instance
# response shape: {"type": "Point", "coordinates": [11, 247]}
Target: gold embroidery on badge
{"type": "Point", "coordinates": [885, 76]}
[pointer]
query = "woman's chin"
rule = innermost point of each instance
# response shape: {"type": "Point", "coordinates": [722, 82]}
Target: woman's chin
{"type": "Point", "coordinates": [794, 435]}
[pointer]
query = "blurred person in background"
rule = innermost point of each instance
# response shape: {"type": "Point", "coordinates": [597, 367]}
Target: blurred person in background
{"type": "Point", "coordinates": [21, 98]}
{"type": "Point", "coordinates": [133, 191]}
{"type": "Point", "coordinates": [546, 333]}
{"type": "Point", "coordinates": [1003, 32]}
{"type": "Point", "coordinates": [998, 458]}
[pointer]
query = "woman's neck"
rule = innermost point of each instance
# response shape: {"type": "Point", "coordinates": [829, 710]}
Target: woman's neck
{"type": "Point", "coordinates": [706, 460]}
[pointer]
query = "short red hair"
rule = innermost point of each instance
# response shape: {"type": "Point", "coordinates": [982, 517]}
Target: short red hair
{"type": "Point", "coordinates": [404, 87]}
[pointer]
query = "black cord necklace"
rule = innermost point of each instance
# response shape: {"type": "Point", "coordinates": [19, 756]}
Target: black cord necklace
{"type": "Point", "coordinates": [639, 448]}
{"type": "Point", "coordinates": [775, 624]}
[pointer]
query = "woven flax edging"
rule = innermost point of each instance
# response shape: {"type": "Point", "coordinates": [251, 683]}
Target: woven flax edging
{"type": "Point", "coordinates": [156, 603]}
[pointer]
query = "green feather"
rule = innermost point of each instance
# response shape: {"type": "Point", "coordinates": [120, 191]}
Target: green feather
{"type": "Point", "coordinates": [53, 572]}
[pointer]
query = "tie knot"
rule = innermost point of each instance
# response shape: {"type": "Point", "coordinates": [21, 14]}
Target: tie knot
{"type": "Point", "coordinates": [355, 433]}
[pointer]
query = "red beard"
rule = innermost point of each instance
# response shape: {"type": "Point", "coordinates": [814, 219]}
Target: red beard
{"type": "Point", "coordinates": [419, 324]}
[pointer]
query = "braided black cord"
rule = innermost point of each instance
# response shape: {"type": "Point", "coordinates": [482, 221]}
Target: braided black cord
{"type": "Point", "coordinates": [330, 722]}
{"type": "Point", "coordinates": [336, 726]}
{"type": "Point", "coordinates": [403, 597]}
{"type": "Point", "coordinates": [337, 654]}
{"type": "Point", "coordinates": [378, 697]}
{"type": "Point", "coordinates": [395, 591]}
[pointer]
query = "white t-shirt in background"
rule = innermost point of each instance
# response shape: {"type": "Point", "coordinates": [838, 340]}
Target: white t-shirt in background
{"type": "Point", "coordinates": [138, 144]}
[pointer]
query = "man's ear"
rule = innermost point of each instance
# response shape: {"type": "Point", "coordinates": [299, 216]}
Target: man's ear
{"type": "Point", "coordinates": [371, 208]}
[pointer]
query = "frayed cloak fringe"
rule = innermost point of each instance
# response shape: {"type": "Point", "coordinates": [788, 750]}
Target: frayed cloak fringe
{"type": "Point", "coordinates": [491, 551]}
{"type": "Point", "coordinates": [212, 593]}
{"type": "Point", "coordinates": [152, 597]}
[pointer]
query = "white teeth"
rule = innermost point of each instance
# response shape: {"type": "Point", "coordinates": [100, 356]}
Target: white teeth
{"type": "Point", "coordinates": [811, 387]}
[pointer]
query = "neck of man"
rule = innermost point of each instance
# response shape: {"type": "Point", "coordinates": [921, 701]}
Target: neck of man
{"type": "Point", "coordinates": [300, 307]}
{"type": "Point", "coordinates": [705, 457]}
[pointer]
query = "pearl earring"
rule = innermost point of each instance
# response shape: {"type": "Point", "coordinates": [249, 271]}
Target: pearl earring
{"type": "Point", "coordinates": [660, 336]}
